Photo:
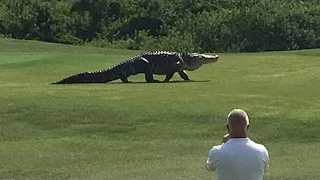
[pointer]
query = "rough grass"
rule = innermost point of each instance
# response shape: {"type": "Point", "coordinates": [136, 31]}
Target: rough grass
{"type": "Point", "coordinates": [151, 131]}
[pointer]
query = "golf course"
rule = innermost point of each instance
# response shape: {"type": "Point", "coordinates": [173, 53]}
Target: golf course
{"type": "Point", "coordinates": [152, 131]}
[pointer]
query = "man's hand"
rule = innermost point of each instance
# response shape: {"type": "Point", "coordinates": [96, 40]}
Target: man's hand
{"type": "Point", "coordinates": [225, 138]}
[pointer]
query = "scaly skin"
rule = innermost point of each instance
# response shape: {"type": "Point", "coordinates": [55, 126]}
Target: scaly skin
{"type": "Point", "coordinates": [149, 63]}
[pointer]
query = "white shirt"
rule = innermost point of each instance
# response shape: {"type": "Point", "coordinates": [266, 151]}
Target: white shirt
{"type": "Point", "coordinates": [238, 159]}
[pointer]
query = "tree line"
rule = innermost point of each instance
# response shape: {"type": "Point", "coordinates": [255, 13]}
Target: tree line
{"type": "Point", "coordinates": [180, 25]}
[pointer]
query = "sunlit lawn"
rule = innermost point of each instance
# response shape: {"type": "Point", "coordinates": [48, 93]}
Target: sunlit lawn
{"type": "Point", "coordinates": [151, 131]}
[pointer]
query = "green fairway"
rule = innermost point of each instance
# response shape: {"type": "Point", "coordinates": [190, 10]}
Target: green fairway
{"type": "Point", "coordinates": [151, 131]}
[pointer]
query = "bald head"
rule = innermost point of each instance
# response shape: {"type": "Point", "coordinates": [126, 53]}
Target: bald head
{"type": "Point", "coordinates": [238, 123]}
{"type": "Point", "coordinates": [237, 116]}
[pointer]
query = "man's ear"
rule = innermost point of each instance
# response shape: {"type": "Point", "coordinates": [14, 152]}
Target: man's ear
{"type": "Point", "coordinates": [228, 128]}
{"type": "Point", "coordinates": [248, 127]}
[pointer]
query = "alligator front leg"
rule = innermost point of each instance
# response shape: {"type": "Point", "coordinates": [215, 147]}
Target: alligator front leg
{"type": "Point", "coordinates": [168, 77]}
{"type": "Point", "coordinates": [183, 74]}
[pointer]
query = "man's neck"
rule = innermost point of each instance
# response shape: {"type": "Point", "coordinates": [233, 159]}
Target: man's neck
{"type": "Point", "coordinates": [238, 136]}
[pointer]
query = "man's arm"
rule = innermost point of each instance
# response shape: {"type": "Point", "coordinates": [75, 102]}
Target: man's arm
{"type": "Point", "coordinates": [266, 160]}
{"type": "Point", "coordinates": [212, 161]}
{"type": "Point", "coordinates": [265, 157]}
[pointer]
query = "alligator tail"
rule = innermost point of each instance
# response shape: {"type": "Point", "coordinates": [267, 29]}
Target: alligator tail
{"type": "Point", "coordinates": [102, 76]}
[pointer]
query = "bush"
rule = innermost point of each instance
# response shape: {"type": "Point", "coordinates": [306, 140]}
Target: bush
{"type": "Point", "coordinates": [179, 25]}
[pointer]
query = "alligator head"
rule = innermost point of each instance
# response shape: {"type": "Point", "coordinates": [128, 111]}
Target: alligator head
{"type": "Point", "coordinates": [194, 61]}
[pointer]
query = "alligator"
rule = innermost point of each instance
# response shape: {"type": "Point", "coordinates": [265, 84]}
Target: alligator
{"type": "Point", "coordinates": [148, 63]}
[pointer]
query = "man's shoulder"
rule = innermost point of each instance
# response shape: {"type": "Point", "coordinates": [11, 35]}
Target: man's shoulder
{"type": "Point", "coordinates": [215, 149]}
{"type": "Point", "coordinates": [258, 145]}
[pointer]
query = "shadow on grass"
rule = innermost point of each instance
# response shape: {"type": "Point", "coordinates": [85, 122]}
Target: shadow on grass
{"type": "Point", "coordinates": [140, 82]}
{"type": "Point", "coordinates": [161, 82]}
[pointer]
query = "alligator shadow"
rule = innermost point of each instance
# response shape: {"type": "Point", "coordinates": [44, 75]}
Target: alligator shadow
{"type": "Point", "coordinates": [140, 82]}
{"type": "Point", "coordinates": [161, 82]}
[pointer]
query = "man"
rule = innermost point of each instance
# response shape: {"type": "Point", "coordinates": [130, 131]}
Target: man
{"type": "Point", "coordinates": [238, 158]}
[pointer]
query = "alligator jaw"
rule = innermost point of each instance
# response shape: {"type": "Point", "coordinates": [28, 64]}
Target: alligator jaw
{"type": "Point", "coordinates": [209, 58]}
{"type": "Point", "coordinates": [194, 61]}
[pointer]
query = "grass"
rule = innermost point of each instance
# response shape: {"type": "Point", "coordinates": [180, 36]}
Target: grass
{"type": "Point", "coordinates": [151, 131]}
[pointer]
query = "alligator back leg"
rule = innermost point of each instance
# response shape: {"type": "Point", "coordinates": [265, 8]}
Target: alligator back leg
{"type": "Point", "coordinates": [147, 70]}
{"type": "Point", "coordinates": [125, 80]}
